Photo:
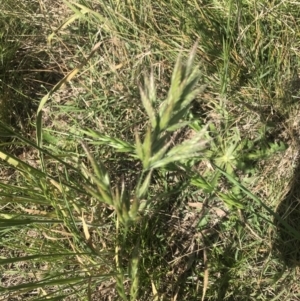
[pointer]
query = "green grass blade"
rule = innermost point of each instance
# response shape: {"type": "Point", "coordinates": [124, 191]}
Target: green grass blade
{"type": "Point", "coordinates": [277, 217]}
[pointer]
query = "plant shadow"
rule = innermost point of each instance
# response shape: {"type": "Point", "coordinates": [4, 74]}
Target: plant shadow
{"type": "Point", "coordinates": [26, 71]}
{"type": "Point", "coordinates": [286, 243]}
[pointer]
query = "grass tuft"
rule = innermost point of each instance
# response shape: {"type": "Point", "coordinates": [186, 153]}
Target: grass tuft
{"type": "Point", "coordinates": [149, 150]}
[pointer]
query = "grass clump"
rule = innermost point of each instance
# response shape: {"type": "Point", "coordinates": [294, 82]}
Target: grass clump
{"type": "Point", "coordinates": [171, 186]}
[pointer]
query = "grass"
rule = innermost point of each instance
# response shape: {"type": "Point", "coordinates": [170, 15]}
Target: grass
{"type": "Point", "coordinates": [149, 150]}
